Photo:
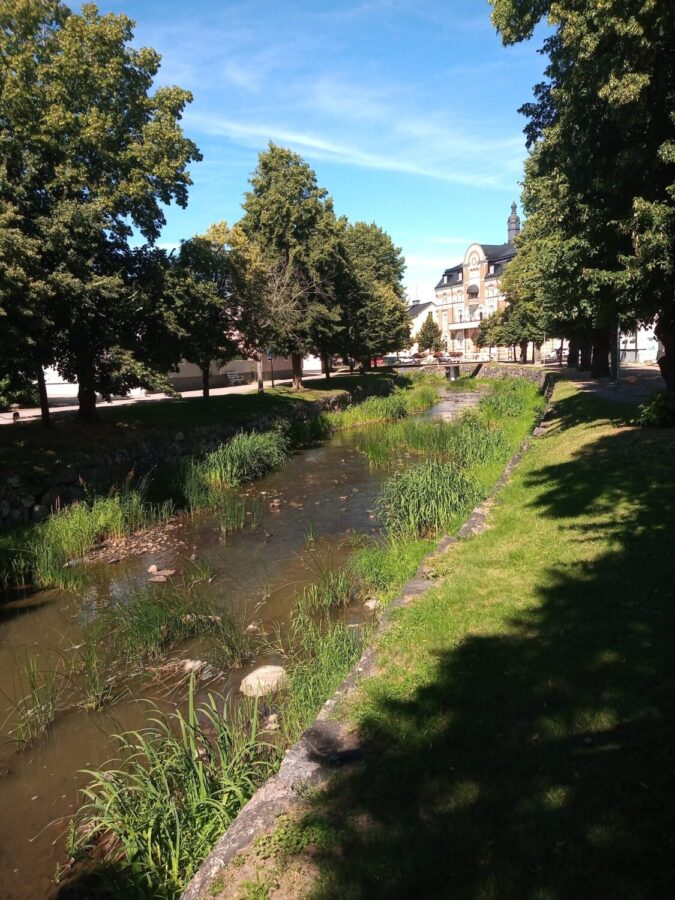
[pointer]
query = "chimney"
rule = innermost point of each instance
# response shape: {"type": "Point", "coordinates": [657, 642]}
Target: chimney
{"type": "Point", "coordinates": [513, 223]}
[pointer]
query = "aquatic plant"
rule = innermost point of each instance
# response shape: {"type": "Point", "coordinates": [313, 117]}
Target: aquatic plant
{"type": "Point", "coordinates": [35, 699]}
{"type": "Point", "coordinates": [246, 457]}
{"type": "Point", "coordinates": [426, 499]}
{"type": "Point", "coordinates": [335, 589]}
{"type": "Point", "coordinates": [172, 791]}
{"type": "Point", "coordinates": [509, 397]}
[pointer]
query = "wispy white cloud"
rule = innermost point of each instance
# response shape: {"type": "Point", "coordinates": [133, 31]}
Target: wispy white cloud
{"type": "Point", "coordinates": [253, 133]}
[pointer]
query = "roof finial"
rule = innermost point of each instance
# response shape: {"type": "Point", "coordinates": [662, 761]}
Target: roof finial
{"type": "Point", "coordinates": [513, 223]}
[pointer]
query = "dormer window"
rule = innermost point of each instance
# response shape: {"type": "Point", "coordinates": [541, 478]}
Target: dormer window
{"type": "Point", "coordinates": [459, 276]}
{"type": "Point", "coordinates": [491, 269]}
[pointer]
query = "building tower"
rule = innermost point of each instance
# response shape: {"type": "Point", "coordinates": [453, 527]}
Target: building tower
{"type": "Point", "coordinates": [513, 223]}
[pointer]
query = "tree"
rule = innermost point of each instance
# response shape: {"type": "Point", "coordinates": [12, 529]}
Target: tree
{"type": "Point", "coordinates": [602, 129]}
{"type": "Point", "coordinates": [90, 154]}
{"type": "Point", "coordinates": [374, 313]}
{"type": "Point", "coordinates": [429, 337]}
{"type": "Point", "coordinates": [291, 221]}
{"type": "Point", "coordinates": [208, 302]}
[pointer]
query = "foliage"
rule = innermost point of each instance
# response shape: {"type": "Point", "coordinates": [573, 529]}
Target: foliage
{"type": "Point", "coordinates": [174, 789]}
{"type": "Point", "coordinates": [429, 336]}
{"type": "Point", "coordinates": [374, 313]}
{"type": "Point", "coordinates": [426, 499]}
{"type": "Point", "coordinates": [290, 220]}
{"type": "Point", "coordinates": [658, 412]}
{"type": "Point", "coordinates": [88, 155]}
{"type": "Point", "coordinates": [599, 192]}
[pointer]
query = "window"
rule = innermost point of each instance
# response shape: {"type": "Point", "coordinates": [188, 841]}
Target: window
{"type": "Point", "coordinates": [461, 316]}
{"type": "Point", "coordinates": [491, 269]}
{"type": "Point", "coordinates": [459, 276]}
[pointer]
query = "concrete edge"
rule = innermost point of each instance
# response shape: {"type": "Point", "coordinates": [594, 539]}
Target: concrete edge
{"type": "Point", "coordinates": [327, 744]}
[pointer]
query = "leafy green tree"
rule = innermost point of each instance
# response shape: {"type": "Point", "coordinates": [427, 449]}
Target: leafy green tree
{"type": "Point", "coordinates": [90, 152]}
{"type": "Point", "coordinates": [291, 220]}
{"type": "Point", "coordinates": [429, 337]}
{"type": "Point", "coordinates": [208, 302]}
{"type": "Point", "coordinates": [375, 315]}
{"type": "Point", "coordinates": [602, 129]}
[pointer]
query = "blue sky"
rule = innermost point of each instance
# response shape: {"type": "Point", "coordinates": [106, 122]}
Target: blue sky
{"type": "Point", "coordinates": [407, 111]}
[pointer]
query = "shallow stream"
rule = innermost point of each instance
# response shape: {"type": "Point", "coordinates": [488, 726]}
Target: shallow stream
{"type": "Point", "coordinates": [310, 512]}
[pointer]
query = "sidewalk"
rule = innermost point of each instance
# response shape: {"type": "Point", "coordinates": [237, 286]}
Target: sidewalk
{"type": "Point", "coordinates": [637, 383]}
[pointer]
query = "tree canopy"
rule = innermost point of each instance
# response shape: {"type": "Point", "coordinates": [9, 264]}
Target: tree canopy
{"type": "Point", "coordinates": [89, 153]}
{"type": "Point", "coordinates": [598, 245]}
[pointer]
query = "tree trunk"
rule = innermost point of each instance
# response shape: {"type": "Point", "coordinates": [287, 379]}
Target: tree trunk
{"type": "Point", "coordinates": [351, 365]}
{"type": "Point", "coordinates": [325, 364]}
{"type": "Point", "coordinates": [560, 351]}
{"type": "Point", "coordinates": [206, 381]}
{"type": "Point", "coordinates": [523, 351]}
{"type": "Point", "coordinates": [600, 357]}
{"type": "Point", "coordinates": [572, 353]}
{"type": "Point", "coordinates": [44, 399]}
{"type": "Point", "coordinates": [86, 397]}
{"type": "Point", "coordinates": [259, 373]}
{"type": "Point", "coordinates": [296, 363]}
{"type": "Point", "coordinates": [536, 353]}
{"type": "Point", "coordinates": [665, 332]}
{"type": "Point", "coordinates": [585, 352]}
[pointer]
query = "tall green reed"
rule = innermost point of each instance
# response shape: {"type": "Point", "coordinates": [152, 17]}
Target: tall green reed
{"type": "Point", "coordinates": [426, 499]}
{"type": "Point", "coordinates": [172, 791]}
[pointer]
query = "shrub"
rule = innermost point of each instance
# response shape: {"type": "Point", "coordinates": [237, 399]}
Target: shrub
{"type": "Point", "coordinates": [657, 412]}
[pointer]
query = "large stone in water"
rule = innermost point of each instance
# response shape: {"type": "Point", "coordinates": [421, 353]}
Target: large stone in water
{"type": "Point", "coordinates": [264, 680]}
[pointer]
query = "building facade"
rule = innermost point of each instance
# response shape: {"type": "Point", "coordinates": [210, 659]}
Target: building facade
{"type": "Point", "coordinates": [470, 291]}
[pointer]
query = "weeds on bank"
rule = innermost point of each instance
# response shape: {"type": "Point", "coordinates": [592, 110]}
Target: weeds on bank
{"type": "Point", "coordinates": [172, 791]}
{"type": "Point", "coordinates": [35, 699]}
{"type": "Point", "coordinates": [426, 500]}
{"type": "Point", "coordinates": [384, 567]}
{"type": "Point", "coordinates": [335, 589]}
{"type": "Point", "coordinates": [45, 553]}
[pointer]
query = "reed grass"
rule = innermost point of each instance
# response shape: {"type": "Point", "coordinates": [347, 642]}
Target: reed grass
{"type": "Point", "coordinates": [383, 567]}
{"type": "Point", "coordinates": [153, 618]}
{"type": "Point", "coordinates": [321, 652]}
{"type": "Point", "coordinates": [46, 553]}
{"type": "Point", "coordinates": [172, 791]}
{"type": "Point", "coordinates": [35, 700]}
{"type": "Point", "coordinates": [335, 589]}
{"type": "Point", "coordinates": [426, 499]}
{"type": "Point", "coordinates": [395, 406]}
{"type": "Point", "coordinates": [246, 457]}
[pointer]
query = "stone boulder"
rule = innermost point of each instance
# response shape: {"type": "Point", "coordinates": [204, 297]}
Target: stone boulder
{"type": "Point", "coordinates": [264, 680]}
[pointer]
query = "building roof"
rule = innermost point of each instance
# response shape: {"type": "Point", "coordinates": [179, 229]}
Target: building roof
{"type": "Point", "coordinates": [418, 308]}
{"type": "Point", "coordinates": [494, 253]}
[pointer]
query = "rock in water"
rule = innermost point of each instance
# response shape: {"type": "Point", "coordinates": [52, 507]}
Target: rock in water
{"type": "Point", "coordinates": [264, 680]}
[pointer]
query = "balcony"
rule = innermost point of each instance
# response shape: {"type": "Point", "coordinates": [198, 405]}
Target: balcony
{"type": "Point", "coordinates": [467, 323]}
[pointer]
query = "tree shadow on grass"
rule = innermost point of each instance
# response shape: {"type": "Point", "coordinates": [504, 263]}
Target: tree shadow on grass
{"type": "Point", "coordinates": [540, 762]}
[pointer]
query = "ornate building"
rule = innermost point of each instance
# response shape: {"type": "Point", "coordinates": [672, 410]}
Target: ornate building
{"type": "Point", "coordinates": [471, 290]}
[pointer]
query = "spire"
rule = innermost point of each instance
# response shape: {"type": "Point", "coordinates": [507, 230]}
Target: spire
{"type": "Point", "coordinates": [513, 222]}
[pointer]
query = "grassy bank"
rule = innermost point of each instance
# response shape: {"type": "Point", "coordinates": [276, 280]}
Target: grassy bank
{"type": "Point", "coordinates": [32, 451]}
{"type": "Point", "coordinates": [518, 733]}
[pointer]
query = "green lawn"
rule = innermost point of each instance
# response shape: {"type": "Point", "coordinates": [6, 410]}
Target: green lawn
{"type": "Point", "coordinates": [34, 451]}
{"type": "Point", "coordinates": [519, 734]}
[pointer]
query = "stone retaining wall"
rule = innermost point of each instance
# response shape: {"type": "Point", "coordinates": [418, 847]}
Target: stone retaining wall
{"type": "Point", "coordinates": [23, 500]}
